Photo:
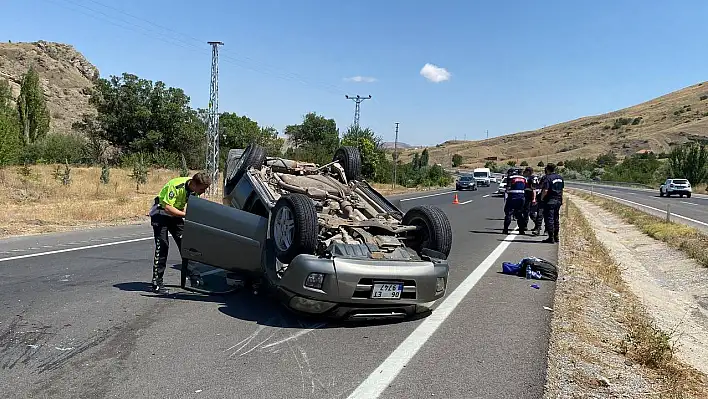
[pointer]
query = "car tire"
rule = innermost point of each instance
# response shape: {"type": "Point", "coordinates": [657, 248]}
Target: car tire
{"type": "Point", "coordinates": [688, 195]}
{"type": "Point", "coordinates": [661, 193]}
{"type": "Point", "coordinates": [253, 156]}
{"type": "Point", "coordinates": [435, 231]}
{"type": "Point", "coordinates": [350, 159]}
{"type": "Point", "coordinates": [299, 209]}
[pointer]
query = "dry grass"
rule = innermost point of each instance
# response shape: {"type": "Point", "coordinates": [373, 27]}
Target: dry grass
{"type": "Point", "coordinates": [40, 203]}
{"type": "Point", "coordinates": [591, 136]}
{"type": "Point", "coordinates": [687, 239]}
{"type": "Point", "coordinates": [600, 329]}
{"type": "Point", "coordinates": [386, 189]}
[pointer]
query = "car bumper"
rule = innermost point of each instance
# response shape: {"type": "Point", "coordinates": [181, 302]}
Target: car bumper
{"type": "Point", "coordinates": [679, 191]}
{"type": "Point", "coordinates": [348, 284]}
{"type": "Point", "coordinates": [468, 187]}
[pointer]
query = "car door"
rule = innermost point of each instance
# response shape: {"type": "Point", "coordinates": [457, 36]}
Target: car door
{"type": "Point", "coordinates": [223, 237]}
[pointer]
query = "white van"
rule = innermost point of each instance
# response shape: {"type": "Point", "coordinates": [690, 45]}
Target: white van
{"type": "Point", "coordinates": [483, 176]}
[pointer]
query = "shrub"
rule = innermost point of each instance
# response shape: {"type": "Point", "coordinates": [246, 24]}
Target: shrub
{"type": "Point", "coordinates": [56, 148]}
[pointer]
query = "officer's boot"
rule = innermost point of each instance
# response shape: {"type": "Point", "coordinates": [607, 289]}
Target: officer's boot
{"type": "Point", "coordinates": [555, 235]}
{"type": "Point", "coordinates": [550, 239]}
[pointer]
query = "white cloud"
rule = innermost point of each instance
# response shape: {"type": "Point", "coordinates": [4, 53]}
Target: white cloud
{"type": "Point", "coordinates": [435, 73]}
{"type": "Point", "coordinates": [361, 79]}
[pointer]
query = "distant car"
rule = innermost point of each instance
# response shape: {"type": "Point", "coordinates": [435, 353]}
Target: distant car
{"type": "Point", "coordinates": [675, 186]}
{"type": "Point", "coordinates": [483, 176]}
{"type": "Point", "coordinates": [502, 187]}
{"type": "Point", "coordinates": [466, 183]}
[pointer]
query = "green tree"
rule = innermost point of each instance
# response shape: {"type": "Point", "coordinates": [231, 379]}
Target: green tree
{"type": "Point", "coordinates": [690, 161]}
{"type": "Point", "coordinates": [32, 108]}
{"type": "Point", "coordinates": [137, 115]}
{"type": "Point", "coordinates": [524, 163]}
{"type": "Point", "coordinates": [369, 146]}
{"type": "Point", "coordinates": [540, 164]}
{"type": "Point", "coordinates": [96, 145]}
{"type": "Point", "coordinates": [9, 126]}
{"type": "Point", "coordinates": [424, 158]}
{"type": "Point", "coordinates": [240, 131]}
{"type": "Point", "coordinates": [315, 139]}
{"type": "Point", "coordinates": [416, 161]}
{"type": "Point", "coordinates": [511, 163]}
{"type": "Point", "coordinates": [456, 160]}
{"type": "Point", "coordinates": [606, 160]}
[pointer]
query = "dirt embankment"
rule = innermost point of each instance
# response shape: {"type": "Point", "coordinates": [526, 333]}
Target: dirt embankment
{"type": "Point", "coordinates": [630, 316]}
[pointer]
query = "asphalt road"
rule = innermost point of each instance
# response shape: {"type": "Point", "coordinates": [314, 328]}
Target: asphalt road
{"type": "Point", "coordinates": [78, 322]}
{"type": "Point", "coordinates": [690, 211]}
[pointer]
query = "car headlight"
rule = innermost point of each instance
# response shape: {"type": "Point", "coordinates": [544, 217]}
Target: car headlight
{"type": "Point", "coordinates": [315, 280]}
{"type": "Point", "coordinates": [440, 284]}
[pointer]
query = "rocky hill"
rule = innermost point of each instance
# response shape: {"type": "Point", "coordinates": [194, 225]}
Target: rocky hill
{"type": "Point", "coordinates": [66, 77]}
{"type": "Point", "coordinates": [655, 125]}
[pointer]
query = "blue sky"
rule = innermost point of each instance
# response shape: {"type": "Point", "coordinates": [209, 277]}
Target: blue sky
{"type": "Point", "coordinates": [513, 65]}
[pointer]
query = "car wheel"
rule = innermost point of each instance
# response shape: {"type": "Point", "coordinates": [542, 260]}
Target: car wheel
{"type": "Point", "coordinates": [253, 156]}
{"type": "Point", "coordinates": [434, 232]}
{"type": "Point", "coordinates": [661, 193]}
{"type": "Point", "coordinates": [688, 195]}
{"type": "Point", "coordinates": [350, 159]}
{"type": "Point", "coordinates": [293, 227]}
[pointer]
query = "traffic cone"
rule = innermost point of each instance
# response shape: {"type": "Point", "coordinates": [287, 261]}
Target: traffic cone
{"type": "Point", "coordinates": [455, 200]}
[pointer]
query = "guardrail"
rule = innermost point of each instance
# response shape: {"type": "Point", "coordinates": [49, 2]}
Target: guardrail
{"type": "Point", "coordinates": [613, 183]}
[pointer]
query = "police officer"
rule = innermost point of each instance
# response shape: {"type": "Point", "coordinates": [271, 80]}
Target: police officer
{"type": "Point", "coordinates": [529, 195]}
{"type": "Point", "coordinates": [552, 198]}
{"type": "Point", "coordinates": [514, 205]}
{"type": "Point", "coordinates": [167, 215]}
{"type": "Point", "coordinates": [538, 219]}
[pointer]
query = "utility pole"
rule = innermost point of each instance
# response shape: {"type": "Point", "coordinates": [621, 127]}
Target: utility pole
{"type": "Point", "coordinates": [357, 100]}
{"type": "Point", "coordinates": [395, 157]}
{"type": "Point", "coordinates": [212, 153]}
{"type": "Point", "coordinates": [487, 134]}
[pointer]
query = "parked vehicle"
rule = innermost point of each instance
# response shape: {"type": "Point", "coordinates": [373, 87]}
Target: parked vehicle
{"type": "Point", "coordinates": [482, 176]}
{"type": "Point", "coordinates": [675, 186]}
{"type": "Point", "coordinates": [320, 237]}
{"type": "Point", "coordinates": [502, 187]}
{"type": "Point", "coordinates": [466, 182]}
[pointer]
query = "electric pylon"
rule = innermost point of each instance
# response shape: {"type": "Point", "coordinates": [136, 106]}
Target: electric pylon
{"type": "Point", "coordinates": [212, 134]}
{"type": "Point", "coordinates": [357, 100]}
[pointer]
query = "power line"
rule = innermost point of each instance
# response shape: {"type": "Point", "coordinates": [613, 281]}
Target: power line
{"type": "Point", "coordinates": [212, 156]}
{"type": "Point", "coordinates": [240, 61]}
{"type": "Point", "coordinates": [357, 100]}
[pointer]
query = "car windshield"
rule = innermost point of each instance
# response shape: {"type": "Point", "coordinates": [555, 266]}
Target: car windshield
{"type": "Point", "coordinates": [480, 174]}
{"type": "Point", "coordinates": [466, 178]}
{"type": "Point", "coordinates": [680, 181]}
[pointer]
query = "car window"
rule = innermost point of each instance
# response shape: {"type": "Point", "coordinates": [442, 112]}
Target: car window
{"type": "Point", "coordinates": [465, 178]}
{"type": "Point", "coordinates": [680, 181]}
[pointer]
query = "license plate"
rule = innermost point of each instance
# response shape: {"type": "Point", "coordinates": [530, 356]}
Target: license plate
{"type": "Point", "coordinates": [387, 291]}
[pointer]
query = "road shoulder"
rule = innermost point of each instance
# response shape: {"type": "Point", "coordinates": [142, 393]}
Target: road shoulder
{"type": "Point", "coordinates": [615, 328]}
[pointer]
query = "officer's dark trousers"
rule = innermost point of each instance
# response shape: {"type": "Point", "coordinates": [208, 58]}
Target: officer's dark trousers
{"type": "Point", "coordinates": [161, 225]}
{"type": "Point", "coordinates": [514, 206]}
{"type": "Point", "coordinates": [529, 210]}
{"type": "Point", "coordinates": [551, 216]}
{"type": "Point", "coordinates": [538, 221]}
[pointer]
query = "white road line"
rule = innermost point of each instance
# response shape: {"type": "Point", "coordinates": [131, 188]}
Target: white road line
{"type": "Point", "coordinates": [689, 203]}
{"type": "Point", "coordinates": [466, 202]}
{"type": "Point", "coordinates": [645, 206]}
{"type": "Point", "coordinates": [485, 196]}
{"type": "Point", "coordinates": [379, 379]}
{"type": "Point", "coordinates": [426, 196]}
{"type": "Point", "coordinates": [108, 244]}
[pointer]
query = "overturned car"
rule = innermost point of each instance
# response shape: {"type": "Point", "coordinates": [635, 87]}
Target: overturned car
{"type": "Point", "coordinates": [321, 237]}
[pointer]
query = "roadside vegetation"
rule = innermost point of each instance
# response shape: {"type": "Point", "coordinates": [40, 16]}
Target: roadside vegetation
{"type": "Point", "coordinates": [603, 342]}
{"type": "Point", "coordinates": [691, 241]}
{"type": "Point", "coordinates": [141, 134]}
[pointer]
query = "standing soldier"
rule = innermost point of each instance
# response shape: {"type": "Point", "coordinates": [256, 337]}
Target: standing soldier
{"type": "Point", "coordinates": [529, 195]}
{"type": "Point", "coordinates": [552, 196]}
{"type": "Point", "coordinates": [514, 205]}
{"type": "Point", "coordinates": [167, 215]}
{"type": "Point", "coordinates": [538, 220]}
